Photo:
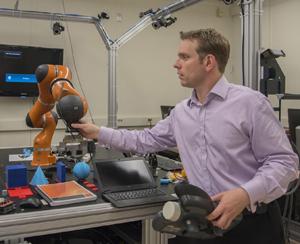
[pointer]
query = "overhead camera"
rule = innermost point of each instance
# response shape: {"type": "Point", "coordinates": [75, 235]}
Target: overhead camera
{"type": "Point", "coordinates": [229, 1]}
{"type": "Point", "coordinates": [103, 15]}
{"type": "Point", "coordinates": [163, 22]}
{"type": "Point", "coordinates": [57, 28]}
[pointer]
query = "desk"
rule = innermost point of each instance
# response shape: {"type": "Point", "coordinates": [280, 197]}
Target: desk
{"type": "Point", "coordinates": [40, 222]}
{"type": "Point", "coordinates": [35, 223]}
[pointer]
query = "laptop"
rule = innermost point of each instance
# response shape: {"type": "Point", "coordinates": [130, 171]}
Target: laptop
{"type": "Point", "coordinates": [128, 182]}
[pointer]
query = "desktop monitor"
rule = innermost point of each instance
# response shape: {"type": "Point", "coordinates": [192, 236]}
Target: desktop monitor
{"type": "Point", "coordinates": [166, 110]}
{"type": "Point", "coordinates": [18, 65]}
{"type": "Point", "coordinates": [294, 121]}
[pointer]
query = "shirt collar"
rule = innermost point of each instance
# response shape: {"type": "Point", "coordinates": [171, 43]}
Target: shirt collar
{"type": "Point", "coordinates": [220, 89]}
{"type": "Point", "coordinates": [193, 99]}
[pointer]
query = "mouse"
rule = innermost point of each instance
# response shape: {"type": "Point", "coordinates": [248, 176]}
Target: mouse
{"type": "Point", "coordinates": [31, 202]}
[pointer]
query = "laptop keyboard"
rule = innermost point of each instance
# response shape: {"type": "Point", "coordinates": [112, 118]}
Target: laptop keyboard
{"type": "Point", "coordinates": [145, 193]}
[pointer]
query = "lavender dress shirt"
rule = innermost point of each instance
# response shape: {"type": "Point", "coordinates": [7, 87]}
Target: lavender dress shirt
{"type": "Point", "coordinates": [231, 140]}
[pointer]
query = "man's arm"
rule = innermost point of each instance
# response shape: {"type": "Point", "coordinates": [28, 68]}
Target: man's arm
{"type": "Point", "coordinates": [271, 147]}
{"type": "Point", "coordinates": [155, 139]}
{"type": "Point", "coordinates": [279, 166]}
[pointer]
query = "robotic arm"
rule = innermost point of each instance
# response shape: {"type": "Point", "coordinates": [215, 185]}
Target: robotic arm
{"type": "Point", "coordinates": [55, 87]}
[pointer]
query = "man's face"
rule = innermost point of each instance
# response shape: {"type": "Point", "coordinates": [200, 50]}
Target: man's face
{"type": "Point", "coordinates": [190, 68]}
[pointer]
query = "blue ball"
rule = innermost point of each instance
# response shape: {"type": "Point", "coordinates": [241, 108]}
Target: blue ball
{"type": "Point", "coordinates": [81, 170]}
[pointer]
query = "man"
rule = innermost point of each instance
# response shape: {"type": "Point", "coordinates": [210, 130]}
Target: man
{"type": "Point", "coordinates": [229, 139]}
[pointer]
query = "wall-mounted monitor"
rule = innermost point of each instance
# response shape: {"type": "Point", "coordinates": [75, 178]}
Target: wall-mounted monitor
{"type": "Point", "coordinates": [18, 65]}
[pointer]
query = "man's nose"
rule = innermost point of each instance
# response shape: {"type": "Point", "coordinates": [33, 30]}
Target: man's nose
{"type": "Point", "coordinates": [176, 65]}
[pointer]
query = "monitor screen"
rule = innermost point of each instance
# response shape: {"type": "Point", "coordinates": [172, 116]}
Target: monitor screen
{"type": "Point", "coordinates": [120, 173]}
{"type": "Point", "coordinates": [18, 65]}
{"type": "Point", "coordinates": [165, 110]}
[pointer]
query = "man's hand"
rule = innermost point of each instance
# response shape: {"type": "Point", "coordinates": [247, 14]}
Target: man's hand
{"type": "Point", "coordinates": [87, 130]}
{"type": "Point", "coordinates": [231, 204]}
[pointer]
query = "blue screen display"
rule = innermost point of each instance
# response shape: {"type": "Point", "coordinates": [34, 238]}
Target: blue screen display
{"type": "Point", "coordinates": [27, 78]}
{"type": "Point", "coordinates": [18, 65]}
{"type": "Point", "coordinates": [13, 53]}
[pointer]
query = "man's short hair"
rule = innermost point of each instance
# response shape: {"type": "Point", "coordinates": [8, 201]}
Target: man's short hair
{"type": "Point", "coordinates": [210, 42]}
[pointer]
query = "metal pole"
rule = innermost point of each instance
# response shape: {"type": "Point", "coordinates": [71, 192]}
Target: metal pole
{"type": "Point", "coordinates": [59, 17]}
{"type": "Point", "coordinates": [180, 4]}
{"type": "Point", "coordinates": [246, 44]}
{"type": "Point", "coordinates": [46, 15]}
{"type": "Point", "coordinates": [134, 30]}
{"type": "Point", "coordinates": [252, 42]}
{"type": "Point", "coordinates": [112, 87]}
{"type": "Point", "coordinates": [252, 34]}
{"type": "Point", "coordinates": [247, 41]}
{"type": "Point", "coordinates": [258, 14]}
{"type": "Point", "coordinates": [148, 19]}
{"type": "Point", "coordinates": [106, 39]}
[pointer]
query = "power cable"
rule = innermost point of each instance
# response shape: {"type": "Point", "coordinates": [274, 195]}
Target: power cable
{"type": "Point", "coordinates": [243, 41]}
{"type": "Point", "coordinates": [74, 63]}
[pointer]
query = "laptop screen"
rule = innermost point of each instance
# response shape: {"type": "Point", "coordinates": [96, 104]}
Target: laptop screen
{"type": "Point", "coordinates": [124, 174]}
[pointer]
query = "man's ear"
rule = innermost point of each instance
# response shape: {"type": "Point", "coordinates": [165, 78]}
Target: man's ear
{"type": "Point", "coordinates": [210, 62]}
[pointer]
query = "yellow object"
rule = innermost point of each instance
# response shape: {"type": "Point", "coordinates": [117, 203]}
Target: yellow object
{"type": "Point", "coordinates": [176, 175]}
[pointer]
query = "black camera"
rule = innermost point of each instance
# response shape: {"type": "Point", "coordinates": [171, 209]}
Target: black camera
{"type": "Point", "coordinates": [57, 28]}
{"type": "Point", "coordinates": [229, 1]}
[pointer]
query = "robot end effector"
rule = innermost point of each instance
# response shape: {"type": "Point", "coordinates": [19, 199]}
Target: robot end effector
{"type": "Point", "coordinates": [54, 87]}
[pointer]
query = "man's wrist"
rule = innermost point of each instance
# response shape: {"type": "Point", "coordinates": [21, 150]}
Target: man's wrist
{"type": "Point", "coordinates": [97, 134]}
{"type": "Point", "coordinates": [246, 196]}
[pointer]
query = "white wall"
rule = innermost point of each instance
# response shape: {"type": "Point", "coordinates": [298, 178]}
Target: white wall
{"type": "Point", "coordinates": [145, 77]}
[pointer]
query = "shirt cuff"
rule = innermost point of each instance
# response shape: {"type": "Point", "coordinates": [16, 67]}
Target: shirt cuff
{"type": "Point", "coordinates": [256, 191]}
{"type": "Point", "coordinates": [105, 136]}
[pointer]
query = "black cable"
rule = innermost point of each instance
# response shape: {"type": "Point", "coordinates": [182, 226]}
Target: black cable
{"type": "Point", "coordinates": [33, 100]}
{"type": "Point", "coordinates": [74, 63]}
{"type": "Point", "coordinates": [91, 157]}
{"type": "Point", "coordinates": [68, 128]}
{"type": "Point", "coordinates": [243, 41]}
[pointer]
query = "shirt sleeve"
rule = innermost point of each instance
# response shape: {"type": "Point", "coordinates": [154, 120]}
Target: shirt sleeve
{"type": "Point", "coordinates": [158, 138]}
{"type": "Point", "coordinates": [272, 149]}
